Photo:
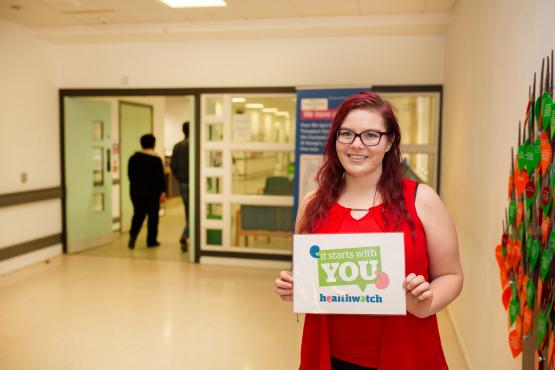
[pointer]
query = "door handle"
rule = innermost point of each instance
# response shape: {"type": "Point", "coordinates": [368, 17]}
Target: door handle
{"type": "Point", "coordinates": [108, 160]}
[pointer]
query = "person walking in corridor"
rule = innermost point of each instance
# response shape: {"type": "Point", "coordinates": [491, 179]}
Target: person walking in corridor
{"type": "Point", "coordinates": [148, 189]}
{"type": "Point", "coordinates": [180, 169]}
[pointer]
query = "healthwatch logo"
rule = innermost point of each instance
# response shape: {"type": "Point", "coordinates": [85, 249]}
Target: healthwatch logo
{"type": "Point", "coordinates": [360, 266]}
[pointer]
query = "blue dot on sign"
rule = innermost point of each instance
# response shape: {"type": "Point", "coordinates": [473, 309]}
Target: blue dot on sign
{"type": "Point", "coordinates": [315, 251]}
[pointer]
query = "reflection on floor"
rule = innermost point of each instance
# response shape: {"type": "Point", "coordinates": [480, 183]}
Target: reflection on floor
{"type": "Point", "coordinates": [92, 312]}
{"type": "Point", "coordinates": [169, 231]}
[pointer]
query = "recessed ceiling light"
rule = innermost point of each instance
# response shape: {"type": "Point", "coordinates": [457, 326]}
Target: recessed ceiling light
{"type": "Point", "coordinates": [238, 100]}
{"type": "Point", "coordinates": [269, 110]}
{"type": "Point", "coordinates": [193, 3]}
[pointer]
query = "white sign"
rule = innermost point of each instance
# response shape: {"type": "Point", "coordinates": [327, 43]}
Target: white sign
{"type": "Point", "coordinates": [349, 273]}
{"type": "Point", "coordinates": [314, 104]}
{"type": "Point", "coordinates": [241, 128]}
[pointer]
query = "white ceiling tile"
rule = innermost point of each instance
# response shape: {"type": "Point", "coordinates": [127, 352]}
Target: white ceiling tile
{"type": "Point", "coordinates": [439, 6]}
{"type": "Point", "coordinates": [155, 11]}
{"type": "Point", "coordinates": [105, 18]}
{"type": "Point", "coordinates": [371, 7]}
{"type": "Point", "coordinates": [263, 9]}
{"type": "Point", "coordinates": [326, 8]}
{"type": "Point", "coordinates": [87, 12]}
{"type": "Point", "coordinates": [145, 11]}
{"type": "Point", "coordinates": [209, 14]}
{"type": "Point", "coordinates": [34, 14]}
{"type": "Point", "coordinates": [61, 6]}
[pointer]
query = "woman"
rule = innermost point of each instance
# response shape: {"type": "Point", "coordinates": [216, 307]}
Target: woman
{"type": "Point", "coordinates": [361, 189]}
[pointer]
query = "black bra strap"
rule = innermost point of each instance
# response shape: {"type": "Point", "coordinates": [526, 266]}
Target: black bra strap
{"type": "Point", "coordinates": [415, 191]}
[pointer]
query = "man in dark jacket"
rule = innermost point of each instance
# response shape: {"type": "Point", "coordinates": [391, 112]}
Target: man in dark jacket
{"type": "Point", "coordinates": [180, 169]}
{"type": "Point", "coordinates": [148, 188]}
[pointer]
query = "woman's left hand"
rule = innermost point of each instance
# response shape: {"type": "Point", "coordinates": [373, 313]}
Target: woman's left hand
{"type": "Point", "coordinates": [419, 295]}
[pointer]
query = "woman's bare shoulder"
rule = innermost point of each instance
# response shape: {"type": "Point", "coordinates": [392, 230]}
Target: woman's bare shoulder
{"type": "Point", "coordinates": [429, 206]}
{"type": "Point", "coordinates": [426, 195]}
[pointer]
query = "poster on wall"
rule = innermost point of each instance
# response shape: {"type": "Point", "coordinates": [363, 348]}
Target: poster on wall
{"type": "Point", "coordinates": [349, 273]}
{"type": "Point", "coordinates": [315, 111]}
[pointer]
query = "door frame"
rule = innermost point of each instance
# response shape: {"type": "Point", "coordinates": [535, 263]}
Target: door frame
{"type": "Point", "coordinates": [196, 93]}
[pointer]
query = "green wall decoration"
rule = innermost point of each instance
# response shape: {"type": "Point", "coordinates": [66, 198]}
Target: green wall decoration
{"type": "Point", "coordinates": [527, 246]}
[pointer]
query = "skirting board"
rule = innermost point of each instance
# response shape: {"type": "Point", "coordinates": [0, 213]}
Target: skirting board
{"type": "Point", "coordinates": [24, 260]}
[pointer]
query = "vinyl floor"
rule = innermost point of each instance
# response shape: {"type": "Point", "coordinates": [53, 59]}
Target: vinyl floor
{"type": "Point", "coordinates": [145, 309]}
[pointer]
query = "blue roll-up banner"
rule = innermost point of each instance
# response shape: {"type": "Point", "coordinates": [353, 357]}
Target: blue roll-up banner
{"type": "Point", "coordinates": [315, 112]}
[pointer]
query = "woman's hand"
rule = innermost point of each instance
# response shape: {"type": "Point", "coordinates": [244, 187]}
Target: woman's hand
{"type": "Point", "coordinates": [419, 295]}
{"type": "Point", "coordinates": [284, 285]}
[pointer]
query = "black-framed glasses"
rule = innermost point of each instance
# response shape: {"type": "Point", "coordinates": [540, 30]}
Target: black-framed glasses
{"type": "Point", "coordinates": [368, 138]}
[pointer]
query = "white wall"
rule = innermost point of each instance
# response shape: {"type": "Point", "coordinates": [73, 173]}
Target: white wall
{"type": "Point", "coordinates": [272, 62]}
{"type": "Point", "coordinates": [492, 50]}
{"type": "Point", "coordinates": [29, 140]}
{"type": "Point", "coordinates": [29, 115]}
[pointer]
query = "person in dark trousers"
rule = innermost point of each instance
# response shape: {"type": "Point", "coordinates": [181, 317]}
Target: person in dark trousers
{"type": "Point", "coordinates": [180, 169]}
{"type": "Point", "coordinates": [148, 189]}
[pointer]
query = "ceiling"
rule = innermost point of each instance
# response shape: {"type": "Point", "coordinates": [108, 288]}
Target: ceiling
{"type": "Point", "coordinates": [104, 20]}
{"type": "Point", "coordinates": [46, 13]}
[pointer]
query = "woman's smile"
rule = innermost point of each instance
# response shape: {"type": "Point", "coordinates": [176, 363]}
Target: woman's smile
{"type": "Point", "coordinates": [357, 157]}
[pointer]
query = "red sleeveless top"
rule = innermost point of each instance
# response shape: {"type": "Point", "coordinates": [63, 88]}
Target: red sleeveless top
{"type": "Point", "coordinates": [380, 341]}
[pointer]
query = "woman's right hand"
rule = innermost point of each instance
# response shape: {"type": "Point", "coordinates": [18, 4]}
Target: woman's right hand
{"type": "Point", "coordinates": [284, 285]}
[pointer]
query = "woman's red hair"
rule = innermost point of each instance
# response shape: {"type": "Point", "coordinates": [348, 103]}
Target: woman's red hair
{"type": "Point", "coordinates": [330, 175]}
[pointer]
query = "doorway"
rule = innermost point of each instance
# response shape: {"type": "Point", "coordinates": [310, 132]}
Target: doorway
{"type": "Point", "coordinates": [201, 219]}
{"type": "Point", "coordinates": [100, 133]}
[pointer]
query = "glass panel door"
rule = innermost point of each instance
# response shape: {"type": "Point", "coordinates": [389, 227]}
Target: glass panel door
{"type": "Point", "coordinates": [247, 167]}
{"type": "Point", "coordinates": [88, 179]}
